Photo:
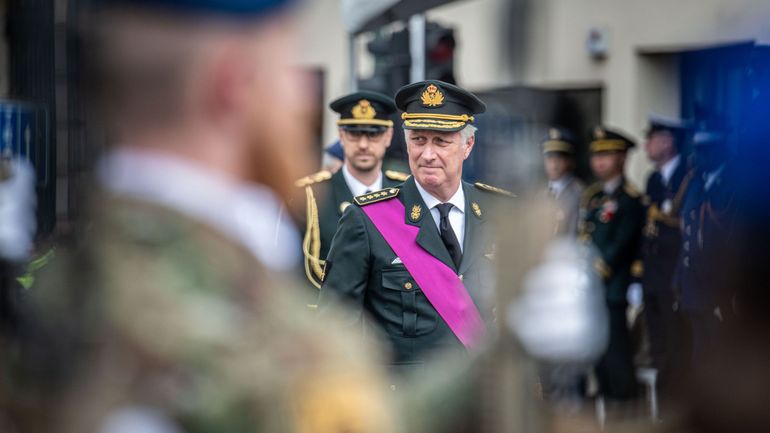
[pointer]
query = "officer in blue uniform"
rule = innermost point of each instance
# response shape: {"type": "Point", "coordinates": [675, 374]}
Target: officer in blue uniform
{"type": "Point", "coordinates": [704, 294]}
{"type": "Point", "coordinates": [666, 137]}
{"type": "Point", "coordinates": [612, 218]}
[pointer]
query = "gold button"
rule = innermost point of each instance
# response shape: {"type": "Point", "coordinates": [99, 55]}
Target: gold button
{"type": "Point", "coordinates": [392, 387]}
{"type": "Point", "coordinates": [408, 285]}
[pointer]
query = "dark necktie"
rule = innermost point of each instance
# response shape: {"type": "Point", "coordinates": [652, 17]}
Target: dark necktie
{"type": "Point", "coordinates": [448, 234]}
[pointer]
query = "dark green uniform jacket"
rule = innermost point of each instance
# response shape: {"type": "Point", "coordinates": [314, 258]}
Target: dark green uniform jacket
{"type": "Point", "coordinates": [331, 195]}
{"type": "Point", "coordinates": [613, 223]}
{"type": "Point", "coordinates": [363, 271]}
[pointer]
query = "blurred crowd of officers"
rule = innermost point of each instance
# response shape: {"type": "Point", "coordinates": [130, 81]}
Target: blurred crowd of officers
{"type": "Point", "coordinates": [659, 248]}
{"type": "Point", "coordinates": [176, 308]}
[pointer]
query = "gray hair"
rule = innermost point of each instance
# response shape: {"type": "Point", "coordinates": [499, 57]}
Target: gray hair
{"type": "Point", "coordinates": [465, 134]}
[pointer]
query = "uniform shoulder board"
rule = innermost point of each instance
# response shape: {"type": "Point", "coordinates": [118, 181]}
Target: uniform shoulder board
{"type": "Point", "coordinates": [396, 175]}
{"type": "Point", "coordinates": [589, 192]}
{"type": "Point", "coordinates": [490, 188]}
{"type": "Point", "coordinates": [374, 197]}
{"type": "Point", "coordinates": [321, 176]}
{"type": "Point", "coordinates": [631, 190]}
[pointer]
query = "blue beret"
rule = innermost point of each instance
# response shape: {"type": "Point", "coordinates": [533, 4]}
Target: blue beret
{"type": "Point", "coordinates": [250, 8]}
{"type": "Point", "coordinates": [336, 151]}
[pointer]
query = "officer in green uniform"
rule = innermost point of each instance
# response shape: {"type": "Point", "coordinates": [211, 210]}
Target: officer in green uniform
{"type": "Point", "coordinates": [365, 132]}
{"type": "Point", "coordinates": [612, 219]}
{"type": "Point", "coordinates": [448, 221]}
{"type": "Point", "coordinates": [171, 316]}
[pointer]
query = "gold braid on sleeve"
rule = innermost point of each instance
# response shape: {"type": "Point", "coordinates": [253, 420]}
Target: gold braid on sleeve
{"type": "Point", "coordinates": [311, 244]}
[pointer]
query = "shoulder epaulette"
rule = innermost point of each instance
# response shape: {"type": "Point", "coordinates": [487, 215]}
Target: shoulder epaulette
{"type": "Point", "coordinates": [631, 190]}
{"type": "Point", "coordinates": [396, 175]}
{"type": "Point", "coordinates": [374, 197]}
{"type": "Point", "coordinates": [313, 178]}
{"type": "Point", "coordinates": [589, 192]}
{"type": "Point", "coordinates": [490, 188]}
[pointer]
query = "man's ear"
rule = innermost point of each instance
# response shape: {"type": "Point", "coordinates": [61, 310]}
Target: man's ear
{"type": "Point", "coordinates": [388, 137]}
{"type": "Point", "coordinates": [469, 146]}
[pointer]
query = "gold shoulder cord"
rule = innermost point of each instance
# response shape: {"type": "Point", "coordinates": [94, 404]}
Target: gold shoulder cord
{"type": "Point", "coordinates": [311, 244]}
{"type": "Point", "coordinates": [679, 198]}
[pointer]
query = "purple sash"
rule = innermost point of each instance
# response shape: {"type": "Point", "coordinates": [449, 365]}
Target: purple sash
{"type": "Point", "coordinates": [443, 288]}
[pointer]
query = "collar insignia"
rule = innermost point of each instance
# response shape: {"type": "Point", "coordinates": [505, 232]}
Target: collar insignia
{"type": "Point", "coordinates": [476, 209]}
{"type": "Point", "coordinates": [432, 97]}
{"type": "Point", "coordinates": [416, 212]}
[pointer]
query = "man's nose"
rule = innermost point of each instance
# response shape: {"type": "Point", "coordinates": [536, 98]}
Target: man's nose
{"type": "Point", "coordinates": [428, 153]}
{"type": "Point", "coordinates": [363, 143]}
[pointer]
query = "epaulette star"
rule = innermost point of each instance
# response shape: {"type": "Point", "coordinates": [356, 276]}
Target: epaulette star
{"type": "Point", "coordinates": [321, 176]}
{"type": "Point", "coordinates": [374, 197]}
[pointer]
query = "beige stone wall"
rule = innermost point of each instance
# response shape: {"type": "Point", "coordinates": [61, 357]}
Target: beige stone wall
{"type": "Point", "coordinates": [552, 50]}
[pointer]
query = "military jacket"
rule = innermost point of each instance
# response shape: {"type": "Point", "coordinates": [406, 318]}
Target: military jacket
{"type": "Point", "coordinates": [661, 241]}
{"type": "Point", "coordinates": [700, 278]}
{"type": "Point", "coordinates": [613, 224]}
{"type": "Point", "coordinates": [568, 208]}
{"type": "Point", "coordinates": [160, 311]}
{"type": "Point", "coordinates": [363, 271]}
{"type": "Point", "coordinates": [327, 196]}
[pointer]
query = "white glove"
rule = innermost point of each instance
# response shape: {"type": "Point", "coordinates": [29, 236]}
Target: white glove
{"type": "Point", "coordinates": [634, 295]}
{"type": "Point", "coordinates": [17, 211]}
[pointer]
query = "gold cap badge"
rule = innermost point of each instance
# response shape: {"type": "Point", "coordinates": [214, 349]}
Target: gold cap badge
{"type": "Point", "coordinates": [364, 110]}
{"type": "Point", "coordinates": [553, 133]}
{"type": "Point", "coordinates": [432, 97]}
{"type": "Point", "coordinates": [416, 212]}
{"type": "Point", "coordinates": [599, 133]}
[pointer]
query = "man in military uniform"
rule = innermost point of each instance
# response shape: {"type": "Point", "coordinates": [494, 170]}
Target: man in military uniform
{"type": "Point", "coordinates": [413, 262]}
{"type": "Point", "coordinates": [170, 318]}
{"type": "Point", "coordinates": [661, 242]}
{"type": "Point", "coordinates": [612, 217]}
{"type": "Point", "coordinates": [563, 187]}
{"type": "Point", "coordinates": [365, 131]}
{"type": "Point", "coordinates": [703, 289]}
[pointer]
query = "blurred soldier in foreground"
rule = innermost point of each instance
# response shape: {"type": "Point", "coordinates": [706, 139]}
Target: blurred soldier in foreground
{"type": "Point", "coordinates": [17, 230]}
{"type": "Point", "coordinates": [414, 261]}
{"type": "Point", "coordinates": [563, 187]}
{"type": "Point", "coordinates": [169, 318]}
{"type": "Point", "coordinates": [612, 220]}
{"type": "Point", "coordinates": [704, 290]}
{"type": "Point", "coordinates": [660, 245]}
{"type": "Point", "coordinates": [365, 131]}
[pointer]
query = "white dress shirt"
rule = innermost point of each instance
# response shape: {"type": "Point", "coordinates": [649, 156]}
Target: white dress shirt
{"type": "Point", "coordinates": [712, 177]}
{"type": "Point", "coordinates": [248, 214]}
{"type": "Point", "coordinates": [356, 186]}
{"type": "Point", "coordinates": [610, 186]}
{"type": "Point", "coordinates": [456, 215]}
{"type": "Point", "coordinates": [555, 187]}
{"type": "Point", "coordinates": [667, 170]}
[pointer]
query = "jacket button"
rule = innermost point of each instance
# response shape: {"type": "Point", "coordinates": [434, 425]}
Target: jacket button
{"type": "Point", "coordinates": [408, 285]}
{"type": "Point", "coordinates": [461, 277]}
{"type": "Point", "coordinates": [686, 262]}
{"type": "Point", "coordinates": [687, 245]}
